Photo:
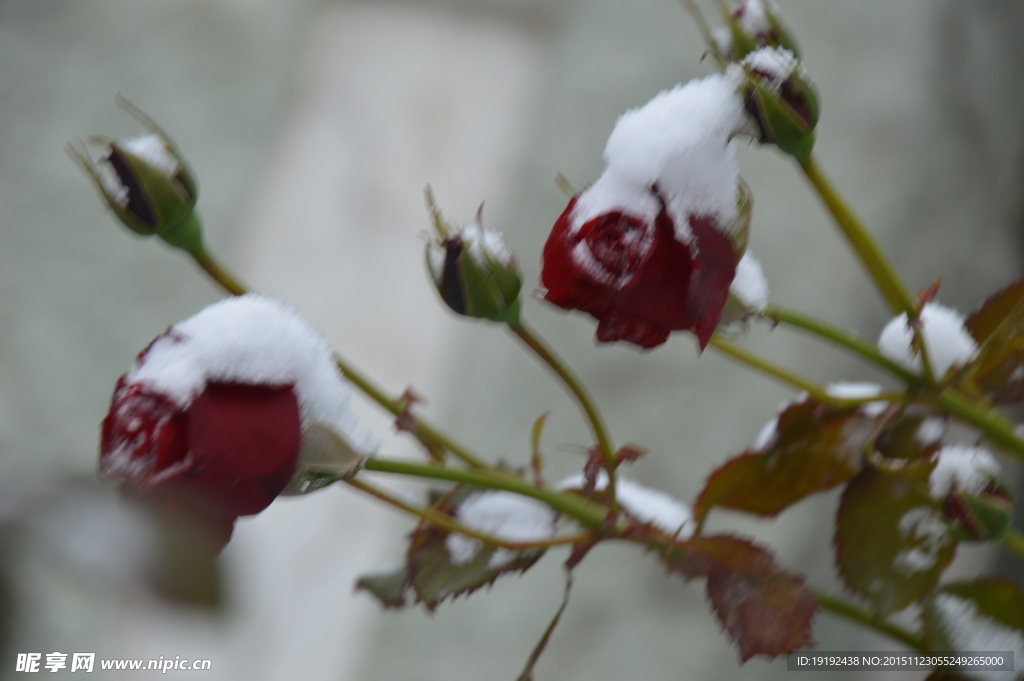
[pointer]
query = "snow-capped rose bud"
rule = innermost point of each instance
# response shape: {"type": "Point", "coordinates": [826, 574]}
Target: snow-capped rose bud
{"type": "Point", "coordinates": [750, 25]}
{"type": "Point", "coordinates": [475, 273]}
{"type": "Point", "coordinates": [652, 246]}
{"type": "Point", "coordinates": [975, 502]}
{"type": "Point", "coordinates": [221, 413]}
{"type": "Point", "coordinates": [146, 183]}
{"type": "Point", "coordinates": [780, 97]}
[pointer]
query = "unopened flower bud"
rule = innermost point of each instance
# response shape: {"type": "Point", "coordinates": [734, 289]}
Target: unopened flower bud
{"type": "Point", "coordinates": [146, 183]}
{"type": "Point", "coordinates": [781, 99]}
{"type": "Point", "coordinates": [750, 25]}
{"type": "Point", "coordinates": [474, 271]}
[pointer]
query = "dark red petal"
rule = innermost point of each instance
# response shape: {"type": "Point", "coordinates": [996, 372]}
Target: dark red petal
{"type": "Point", "coordinates": [714, 270]}
{"type": "Point", "coordinates": [143, 435]}
{"type": "Point", "coordinates": [244, 443]}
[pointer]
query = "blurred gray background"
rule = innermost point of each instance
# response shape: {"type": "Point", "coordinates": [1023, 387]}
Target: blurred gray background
{"type": "Point", "coordinates": [313, 126]}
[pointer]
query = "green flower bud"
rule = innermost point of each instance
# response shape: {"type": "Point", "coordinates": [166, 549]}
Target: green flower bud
{"type": "Point", "coordinates": [474, 271]}
{"type": "Point", "coordinates": [780, 98]}
{"type": "Point", "coordinates": [750, 25]}
{"type": "Point", "coordinates": [146, 183]}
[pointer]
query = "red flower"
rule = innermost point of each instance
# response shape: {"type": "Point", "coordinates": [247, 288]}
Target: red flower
{"type": "Point", "coordinates": [210, 422]}
{"type": "Point", "coordinates": [638, 279]}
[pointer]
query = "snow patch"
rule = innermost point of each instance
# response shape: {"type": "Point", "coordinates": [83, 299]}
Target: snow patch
{"type": "Point", "coordinates": [969, 630]}
{"type": "Point", "coordinates": [502, 515]}
{"type": "Point", "coordinates": [962, 468]}
{"type": "Point", "coordinates": [749, 286]}
{"type": "Point", "coordinates": [925, 529]}
{"type": "Point", "coordinates": [153, 150]}
{"type": "Point", "coordinates": [646, 505]}
{"type": "Point", "coordinates": [948, 342]}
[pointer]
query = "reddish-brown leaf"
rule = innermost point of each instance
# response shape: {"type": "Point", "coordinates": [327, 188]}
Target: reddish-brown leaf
{"type": "Point", "coordinates": [814, 449]}
{"type": "Point", "coordinates": [765, 609]}
{"type": "Point", "coordinates": [998, 325]}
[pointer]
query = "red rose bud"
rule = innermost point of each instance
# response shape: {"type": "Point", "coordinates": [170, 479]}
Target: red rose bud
{"type": "Point", "coordinates": [750, 25]}
{"type": "Point", "coordinates": [975, 502]}
{"type": "Point", "coordinates": [474, 271]}
{"type": "Point", "coordinates": [781, 99]}
{"type": "Point", "coordinates": [226, 410]}
{"type": "Point", "coordinates": [635, 276]}
{"type": "Point", "coordinates": [146, 183]}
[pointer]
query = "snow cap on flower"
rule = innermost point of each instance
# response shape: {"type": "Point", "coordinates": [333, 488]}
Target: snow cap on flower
{"type": "Point", "coordinates": [651, 247]}
{"type": "Point", "coordinates": [220, 412]}
{"type": "Point", "coordinates": [146, 183]}
{"type": "Point", "coordinates": [475, 273]}
{"type": "Point", "coordinates": [948, 342]}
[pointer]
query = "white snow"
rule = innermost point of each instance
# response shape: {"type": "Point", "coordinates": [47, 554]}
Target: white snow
{"type": "Point", "coordinates": [749, 286]}
{"type": "Point", "coordinates": [753, 18]}
{"type": "Point", "coordinates": [846, 390]}
{"type": "Point", "coordinates": [484, 246]}
{"type": "Point", "coordinates": [948, 342]}
{"type": "Point", "coordinates": [646, 505]}
{"type": "Point", "coordinates": [774, 64]}
{"type": "Point", "coordinates": [926, 529]}
{"type": "Point", "coordinates": [153, 150]}
{"type": "Point", "coordinates": [257, 340]}
{"type": "Point", "coordinates": [502, 515]}
{"type": "Point", "coordinates": [970, 631]}
{"type": "Point", "coordinates": [681, 142]}
{"type": "Point", "coordinates": [962, 468]}
{"type": "Point", "coordinates": [930, 431]}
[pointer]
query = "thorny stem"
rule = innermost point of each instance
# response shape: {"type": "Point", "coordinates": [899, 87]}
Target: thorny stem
{"type": "Point", "coordinates": [846, 339]}
{"type": "Point", "coordinates": [786, 376]}
{"type": "Point", "coordinates": [587, 513]}
{"type": "Point", "coordinates": [861, 240]}
{"type": "Point", "coordinates": [856, 613]}
{"type": "Point", "coordinates": [579, 390]}
{"type": "Point", "coordinates": [446, 522]}
{"type": "Point", "coordinates": [984, 417]}
{"type": "Point", "coordinates": [421, 430]}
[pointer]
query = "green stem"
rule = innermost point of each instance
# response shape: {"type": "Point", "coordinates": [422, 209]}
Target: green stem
{"type": "Point", "coordinates": [861, 240]}
{"type": "Point", "coordinates": [845, 339]}
{"type": "Point", "coordinates": [862, 616]}
{"type": "Point", "coordinates": [219, 273]}
{"type": "Point", "coordinates": [995, 427]}
{"type": "Point", "coordinates": [447, 522]}
{"type": "Point", "coordinates": [786, 376]}
{"type": "Point", "coordinates": [579, 390]}
{"type": "Point", "coordinates": [586, 513]}
{"type": "Point", "coordinates": [1014, 541]}
{"type": "Point", "coordinates": [423, 431]}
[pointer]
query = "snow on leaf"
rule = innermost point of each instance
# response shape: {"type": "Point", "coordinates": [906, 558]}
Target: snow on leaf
{"type": "Point", "coordinates": [998, 326]}
{"type": "Point", "coordinates": [982, 615]}
{"type": "Point", "coordinates": [811, 449]}
{"type": "Point", "coordinates": [765, 609]}
{"type": "Point", "coordinates": [643, 504]}
{"type": "Point", "coordinates": [891, 543]}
